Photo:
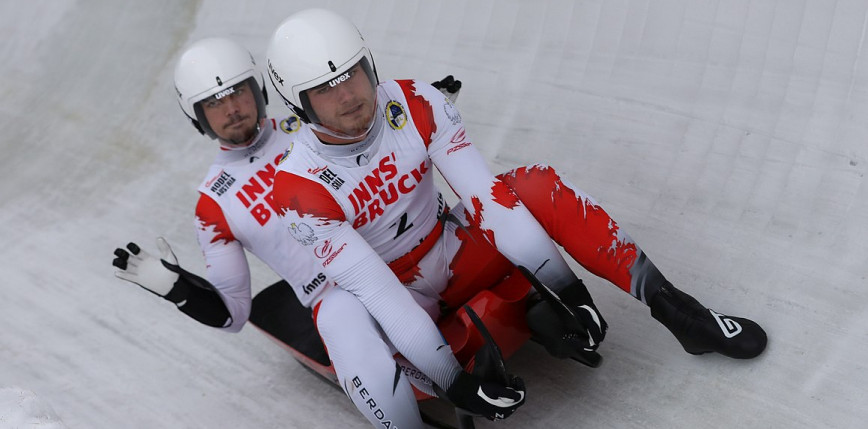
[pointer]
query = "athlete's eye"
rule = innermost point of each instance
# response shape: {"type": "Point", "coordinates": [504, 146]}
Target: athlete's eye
{"type": "Point", "coordinates": [211, 103]}
{"type": "Point", "coordinates": [352, 72]}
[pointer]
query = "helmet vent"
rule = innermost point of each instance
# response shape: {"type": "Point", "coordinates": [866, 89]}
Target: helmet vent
{"type": "Point", "coordinates": [332, 66]}
{"type": "Point", "coordinates": [219, 82]}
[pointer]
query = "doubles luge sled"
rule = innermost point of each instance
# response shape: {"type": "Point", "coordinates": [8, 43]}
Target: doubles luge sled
{"type": "Point", "coordinates": [490, 327]}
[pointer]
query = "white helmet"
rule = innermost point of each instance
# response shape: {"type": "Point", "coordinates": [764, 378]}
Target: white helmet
{"type": "Point", "coordinates": [310, 48]}
{"type": "Point", "coordinates": [210, 66]}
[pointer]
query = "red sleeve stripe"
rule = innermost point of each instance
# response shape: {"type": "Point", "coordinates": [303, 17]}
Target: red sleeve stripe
{"type": "Point", "coordinates": [420, 110]}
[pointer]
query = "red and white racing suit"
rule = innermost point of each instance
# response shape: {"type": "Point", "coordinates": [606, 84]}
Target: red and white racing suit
{"type": "Point", "coordinates": [371, 216]}
{"type": "Point", "coordinates": [236, 212]}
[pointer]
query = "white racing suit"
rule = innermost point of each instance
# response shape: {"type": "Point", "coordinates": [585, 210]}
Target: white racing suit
{"type": "Point", "coordinates": [371, 217]}
{"type": "Point", "coordinates": [235, 212]}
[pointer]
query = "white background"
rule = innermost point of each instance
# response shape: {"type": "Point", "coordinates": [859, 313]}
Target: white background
{"type": "Point", "coordinates": [727, 137]}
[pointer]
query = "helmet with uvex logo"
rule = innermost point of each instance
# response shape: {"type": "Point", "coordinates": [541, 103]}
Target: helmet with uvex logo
{"type": "Point", "coordinates": [310, 48]}
{"type": "Point", "coordinates": [210, 68]}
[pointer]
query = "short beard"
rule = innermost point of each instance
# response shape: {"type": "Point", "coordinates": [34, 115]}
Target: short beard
{"type": "Point", "coordinates": [361, 126]}
{"type": "Point", "coordinates": [248, 136]}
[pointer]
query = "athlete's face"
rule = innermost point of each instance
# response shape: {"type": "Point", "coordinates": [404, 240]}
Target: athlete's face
{"type": "Point", "coordinates": [347, 107]}
{"type": "Point", "coordinates": [233, 116]}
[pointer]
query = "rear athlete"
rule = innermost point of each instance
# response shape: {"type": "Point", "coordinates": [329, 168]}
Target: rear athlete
{"type": "Point", "coordinates": [221, 92]}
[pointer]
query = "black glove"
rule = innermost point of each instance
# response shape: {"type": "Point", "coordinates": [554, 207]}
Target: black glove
{"type": "Point", "coordinates": [157, 275]}
{"type": "Point", "coordinates": [492, 400]}
{"type": "Point", "coordinates": [449, 87]}
{"type": "Point", "coordinates": [595, 326]}
{"type": "Point", "coordinates": [193, 295]}
{"type": "Point", "coordinates": [577, 297]}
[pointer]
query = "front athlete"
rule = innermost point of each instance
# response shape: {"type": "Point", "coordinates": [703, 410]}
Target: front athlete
{"type": "Point", "coordinates": [357, 191]}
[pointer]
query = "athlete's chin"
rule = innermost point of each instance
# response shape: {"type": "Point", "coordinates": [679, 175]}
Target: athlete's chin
{"type": "Point", "coordinates": [359, 125]}
{"type": "Point", "coordinates": [241, 137]}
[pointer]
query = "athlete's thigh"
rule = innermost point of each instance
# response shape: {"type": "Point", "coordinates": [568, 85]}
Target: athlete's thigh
{"type": "Point", "coordinates": [363, 361]}
{"type": "Point", "coordinates": [474, 264]}
{"type": "Point", "coordinates": [345, 325]}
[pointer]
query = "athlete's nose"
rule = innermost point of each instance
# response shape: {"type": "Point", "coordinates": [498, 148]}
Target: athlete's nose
{"type": "Point", "coordinates": [232, 105]}
{"type": "Point", "coordinates": [344, 93]}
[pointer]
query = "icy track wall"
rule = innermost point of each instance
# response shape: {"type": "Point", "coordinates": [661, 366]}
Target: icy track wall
{"type": "Point", "coordinates": [728, 137]}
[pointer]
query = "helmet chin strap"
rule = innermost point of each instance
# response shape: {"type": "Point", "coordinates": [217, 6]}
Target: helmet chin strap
{"type": "Point", "coordinates": [339, 135]}
{"type": "Point", "coordinates": [319, 128]}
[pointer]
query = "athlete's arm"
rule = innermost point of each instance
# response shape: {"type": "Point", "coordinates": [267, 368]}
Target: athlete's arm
{"type": "Point", "coordinates": [489, 202]}
{"type": "Point", "coordinates": [163, 277]}
{"type": "Point", "coordinates": [227, 270]}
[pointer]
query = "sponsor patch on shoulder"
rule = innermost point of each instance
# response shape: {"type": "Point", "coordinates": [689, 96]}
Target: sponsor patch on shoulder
{"type": "Point", "coordinates": [290, 124]}
{"type": "Point", "coordinates": [396, 115]}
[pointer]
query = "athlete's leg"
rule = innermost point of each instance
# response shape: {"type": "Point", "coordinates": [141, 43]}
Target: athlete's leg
{"type": "Point", "coordinates": [576, 222]}
{"type": "Point", "coordinates": [473, 263]}
{"type": "Point", "coordinates": [460, 264]}
{"type": "Point", "coordinates": [364, 363]}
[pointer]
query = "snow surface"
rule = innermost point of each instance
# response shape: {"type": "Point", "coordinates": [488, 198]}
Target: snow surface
{"type": "Point", "coordinates": [21, 408]}
{"type": "Point", "coordinates": [727, 137]}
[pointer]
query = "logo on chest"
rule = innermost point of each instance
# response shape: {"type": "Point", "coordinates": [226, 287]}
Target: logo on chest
{"type": "Point", "coordinates": [221, 183]}
{"type": "Point", "coordinates": [327, 176]}
{"type": "Point", "coordinates": [382, 187]}
{"type": "Point", "coordinates": [256, 195]}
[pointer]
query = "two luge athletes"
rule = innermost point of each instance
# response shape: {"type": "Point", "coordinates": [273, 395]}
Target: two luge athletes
{"type": "Point", "coordinates": [340, 201]}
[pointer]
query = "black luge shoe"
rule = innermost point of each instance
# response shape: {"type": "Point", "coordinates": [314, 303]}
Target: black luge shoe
{"type": "Point", "coordinates": [559, 328]}
{"type": "Point", "coordinates": [703, 330]}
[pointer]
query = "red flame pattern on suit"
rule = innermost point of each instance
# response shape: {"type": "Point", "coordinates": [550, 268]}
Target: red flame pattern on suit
{"type": "Point", "coordinates": [583, 228]}
{"type": "Point", "coordinates": [209, 214]}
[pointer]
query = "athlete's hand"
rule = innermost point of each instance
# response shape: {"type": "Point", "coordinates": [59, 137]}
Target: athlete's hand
{"type": "Point", "coordinates": [449, 86]}
{"type": "Point", "coordinates": [492, 400]}
{"type": "Point", "coordinates": [594, 324]}
{"type": "Point", "coordinates": [157, 275]}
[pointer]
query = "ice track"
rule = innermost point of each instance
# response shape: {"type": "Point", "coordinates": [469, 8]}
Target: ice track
{"type": "Point", "coordinates": [727, 137]}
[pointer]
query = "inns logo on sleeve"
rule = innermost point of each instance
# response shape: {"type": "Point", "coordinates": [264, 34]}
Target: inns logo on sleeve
{"type": "Point", "coordinates": [315, 283]}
